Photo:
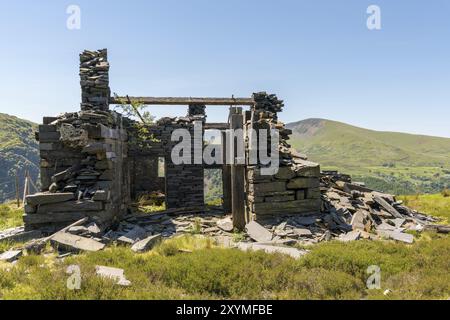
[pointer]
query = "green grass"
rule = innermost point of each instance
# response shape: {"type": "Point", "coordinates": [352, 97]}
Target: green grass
{"type": "Point", "coordinates": [393, 162]}
{"type": "Point", "coordinates": [10, 216]}
{"type": "Point", "coordinates": [435, 204]}
{"type": "Point", "coordinates": [330, 271]}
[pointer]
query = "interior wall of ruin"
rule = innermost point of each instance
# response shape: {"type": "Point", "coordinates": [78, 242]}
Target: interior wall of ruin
{"type": "Point", "coordinates": [183, 183]}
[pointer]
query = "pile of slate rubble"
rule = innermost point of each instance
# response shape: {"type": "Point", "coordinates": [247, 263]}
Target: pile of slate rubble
{"type": "Point", "coordinates": [350, 211]}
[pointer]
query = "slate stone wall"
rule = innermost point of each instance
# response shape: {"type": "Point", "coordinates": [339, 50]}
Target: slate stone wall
{"type": "Point", "coordinates": [295, 189]}
{"type": "Point", "coordinates": [84, 169]}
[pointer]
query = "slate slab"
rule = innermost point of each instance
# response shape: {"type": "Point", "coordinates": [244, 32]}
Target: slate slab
{"type": "Point", "coordinates": [22, 236]}
{"type": "Point", "coordinates": [225, 224]}
{"type": "Point", "coordinates": [350, 236]}
{"type": "Point", "coordinates": [258, 232]}
{"type": "Point", "coordinates": [146, 244]}
{"type": "Point", "coordinates": [135, 234]}
{"type": "Point", "coordinates": [47, 198]}
{"type": "Point", "coordinates": [358, 221]}
{"type": "Point", "coordinates": [10, 256]}
{"type": "Point", "coordinates": [385, 205]}
{"type": "Point", "coordinates": [76, 243]}
{"type": "Point", "coordinates": [293, 252]}
{"type": "Point", "coordinates": [302, 232]}
{"type": "Point", "coordinates": [398, 236]}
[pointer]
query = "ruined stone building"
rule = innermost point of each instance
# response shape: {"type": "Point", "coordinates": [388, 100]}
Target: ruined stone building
{"type": "Point", "coordinates": [96, 162]}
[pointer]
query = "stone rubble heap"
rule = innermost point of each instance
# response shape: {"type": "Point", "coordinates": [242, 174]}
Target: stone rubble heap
{"type": "Point", "coordinates": [295, 188]}
{"type": "Point", "coordinates": [368, 213]}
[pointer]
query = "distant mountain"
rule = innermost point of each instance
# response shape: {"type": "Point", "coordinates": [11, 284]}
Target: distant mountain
{"type": "Point", "coordinates": [389, 161]}
{"type": "Point", "coordinates": [18, 152]}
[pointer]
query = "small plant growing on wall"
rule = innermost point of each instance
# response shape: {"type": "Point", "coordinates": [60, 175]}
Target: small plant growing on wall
{"type": "Point", "coordinates": [134, 109]}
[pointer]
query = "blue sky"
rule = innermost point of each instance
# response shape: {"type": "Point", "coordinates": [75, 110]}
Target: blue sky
{"type": "Point", "coordinates": [317, 55]}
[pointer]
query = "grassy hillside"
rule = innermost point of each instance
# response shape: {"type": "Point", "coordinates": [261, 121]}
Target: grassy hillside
{"type": "Point", "coordinates": [18, 151]}
{"type": "Point", "coordinates": [438, 204]}
{"type": "Point", "coordinates": [390, 161]}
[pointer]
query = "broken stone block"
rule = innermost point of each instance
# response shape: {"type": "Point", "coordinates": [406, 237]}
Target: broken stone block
{"type": "Point", "coordinates": [75, 243]}
{"type": "Point", "coordinates": [385, 205]}
{"type": "Point", "coordinates": [302, 232]}
{"type": "Point", "coordinates": [396, 235]}
{"type": "Point", "coordinates": [132, 236]}
{"type": "Point", "coordinates": [94, 229]}
{"type": "Point", "coordinates": [258, 232]}
{"type": "Point", "coordinates": [21, 236]}
{"type": "Point", "coordinates": [293, 252]}
{"type": "Point", "coordinates": [47, 198]}
{"type": "Point", "coordinates": [358, 221]}
{"type": "Point", "coordinates": [385, 227]}
{"type": "Point", "coordinates": [398, 222]}
{"type": "Point", "coordinates": [53, 187]}
{"type": "Point", "coordinates": [77, 230]}
{"type": "Point", "coordinates": [350, 236]}
{"type": "Point", "coordinates": [146, 244]}
{"type": "Point", "coordinates": [11, 255]}
{"type": "Point", "coordinates": [114, 274]}
{"type": "Point", "coordinates": [225, 224]}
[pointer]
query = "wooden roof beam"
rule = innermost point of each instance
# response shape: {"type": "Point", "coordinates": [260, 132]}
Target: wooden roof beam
{"type": "Point", "coordinates": [216, 126]}
{"type": "Point", "coordinates": [180, 101]}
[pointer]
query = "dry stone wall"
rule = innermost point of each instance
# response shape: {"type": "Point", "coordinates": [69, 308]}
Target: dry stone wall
{"type": "Point", "coordinates": [295, 189]}
{"type": "Point", "coordinates": [83, 158]}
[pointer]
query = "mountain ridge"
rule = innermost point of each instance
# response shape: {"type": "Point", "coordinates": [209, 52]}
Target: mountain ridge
{"type": "Point", "coordinates": [18, 153]}
{"type": "Point", "coordinates": [420, 162]}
